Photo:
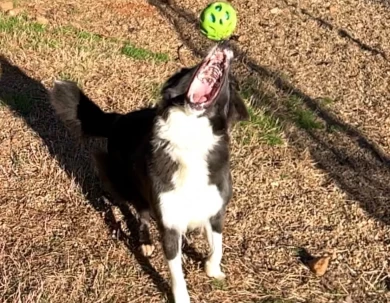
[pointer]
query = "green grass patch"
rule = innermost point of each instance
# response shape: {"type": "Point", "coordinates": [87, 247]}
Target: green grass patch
{"type": "Point", "coordinates": [20, 24]}
{"type": "Point", "coordinates": [15, 159]}
{"type": "Point", "coordinates": [219, 284]}
{"type": "Point", "coordinates": [334, 129]}
{"type": "Point", "coordinates": [306, 119]}
{"type": "Point", "coordinates": [261, 127]}
{"type": "Point", "coordinates": [66, 77]}
{"type": "Point", "coordinates": [303, 117]}
{"type": "Point", "coordinates": [35, 27]}
{"type": "Point", "coordinates": [84, 35]}
{"type": "Point", "coordinates": [138, 53]}
{"type": "Point", "coordinates": [249, 88]}
{"type": "Point", "coordinates": [35, 35]}
{"type": "Point", "coordinates": [326, 101]}
{"type": "Point", "coordinates": [65, 30]}
{"type": "Point", "coordinates": [155, 91]}
{"type": "Point", "coordinates": [38, 36]}
{"type": "Point", "coordinates": [253, 91]}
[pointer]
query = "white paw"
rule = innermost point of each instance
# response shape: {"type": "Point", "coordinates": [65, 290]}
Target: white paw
{"type": "Point", "coordinates": [147, 250]}
{"type": "Point", "coordinates": [214, 271]}
{"type": "Point", "coordinates": [181, 296]}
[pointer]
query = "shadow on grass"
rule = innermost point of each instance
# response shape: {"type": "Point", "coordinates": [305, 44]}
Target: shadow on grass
{"type": "Point", "coordinates": [356, 164]}
{"type": "Point", "coordinates": [28, 99]}
{"type": "Point", "coordinates": [343, 34]}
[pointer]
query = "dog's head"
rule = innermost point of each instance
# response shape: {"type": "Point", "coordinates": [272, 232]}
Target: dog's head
{"type": "Point", "coordinates": [205, 89]}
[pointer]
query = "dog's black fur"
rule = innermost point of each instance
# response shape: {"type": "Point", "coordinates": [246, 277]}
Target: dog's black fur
{"type": "Point", "coordinates": [133, 169]}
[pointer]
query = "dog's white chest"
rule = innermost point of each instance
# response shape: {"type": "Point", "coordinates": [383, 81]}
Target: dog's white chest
{"type": "Point", "coordinates": [187, 208]}
{"type": "Point", "coordinates": [193, 201]}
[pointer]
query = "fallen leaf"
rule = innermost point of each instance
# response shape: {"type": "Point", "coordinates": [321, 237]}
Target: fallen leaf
{"type": "Point", "coordinates": [319, 265]}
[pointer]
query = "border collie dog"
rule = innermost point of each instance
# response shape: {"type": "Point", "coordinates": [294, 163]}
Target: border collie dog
{"type": "Point", "coordinates": [171, 161]}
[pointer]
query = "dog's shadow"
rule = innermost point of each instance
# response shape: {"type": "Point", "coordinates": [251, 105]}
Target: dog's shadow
{"type": "Point", "coordinates": [27, 98]}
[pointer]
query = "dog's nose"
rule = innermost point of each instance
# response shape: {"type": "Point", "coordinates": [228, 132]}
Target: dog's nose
{"type": "Point", "coordinates": [224, 44]}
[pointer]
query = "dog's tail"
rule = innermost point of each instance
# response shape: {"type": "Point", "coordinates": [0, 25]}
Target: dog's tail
{"type": "Point", "coordinates": [80, 114]}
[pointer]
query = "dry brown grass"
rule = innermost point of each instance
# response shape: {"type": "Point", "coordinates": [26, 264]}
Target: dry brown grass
{"type": "Point", "coordinates": [318, 70]}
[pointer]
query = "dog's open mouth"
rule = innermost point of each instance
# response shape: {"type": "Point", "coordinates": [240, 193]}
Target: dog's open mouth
{"type": "Point", "coordinates": [209, 78]}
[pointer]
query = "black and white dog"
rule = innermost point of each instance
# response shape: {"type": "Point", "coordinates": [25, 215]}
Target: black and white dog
{"type": "Point", "coordinates": [170, 161]}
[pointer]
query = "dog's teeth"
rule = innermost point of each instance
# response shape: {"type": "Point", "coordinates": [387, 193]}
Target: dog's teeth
{"type": "Point", "coordinates": [215, 72]}
{"type": "Point", "coordinates": [208, 80]}
{"type": "Point", "coordinates": [211, 74]}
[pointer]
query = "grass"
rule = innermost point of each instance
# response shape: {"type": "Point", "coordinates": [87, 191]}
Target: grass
{"type": "Point", "coordinates": [333, 129]}
{"type": "Point", "coordinates": [249, 88]}
{"type": "Point", "coordinates": [46, 36]}
{"type": "Point", "coordinates": [20, 23]}
{"type": "Point", "coordinates": [81, 34]}
{"type": "Point", "coordinates": [262, 126]}
{"type": "Point", "coordinates": [134, 52]}
{"type": "Point", "coordinates": [15, 159]}
{"type": "Point", "coordinates": [304, 118]}
{"type": "Point", "coordinates": [275, 300]}
{"type": "Point", "coordinates": [327, 101]}
{"type": "Point", "coordinates": [18, 102]}
{"type": "Point", "coordinates": [323, 191]}
{"type": "Point", "coordinates": [155, 91]}
{"type": "Point", "coordinates": [219, 284]}
{"type": "Point", "coordinates": [265, 126]}
{"type": "Point", "coordinates": [67, 77]}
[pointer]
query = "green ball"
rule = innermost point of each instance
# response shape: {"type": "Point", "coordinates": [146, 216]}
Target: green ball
{"type": "Point", "coordinates": [218, 21]}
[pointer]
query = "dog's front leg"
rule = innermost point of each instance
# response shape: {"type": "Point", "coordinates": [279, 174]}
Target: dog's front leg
{"type": "Point", "coordinates": [214, 238]}
{"type": "Point", "coordinates": [172, 242]}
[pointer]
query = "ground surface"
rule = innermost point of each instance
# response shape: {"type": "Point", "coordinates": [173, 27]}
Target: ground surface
{"type": "Point", "coordinates": [311, 168]}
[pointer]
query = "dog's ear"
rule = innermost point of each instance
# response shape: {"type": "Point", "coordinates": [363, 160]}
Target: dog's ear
{"type": "Point", "coordinates": [237, 108]}
{"type": "Point", "coordinates": [177, 84]}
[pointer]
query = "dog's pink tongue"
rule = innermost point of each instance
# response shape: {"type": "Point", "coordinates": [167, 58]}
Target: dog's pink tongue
{"type": "Point", "coordinates": [201, 90]}
{"type": "Point", "coordinates": [198, 98]}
